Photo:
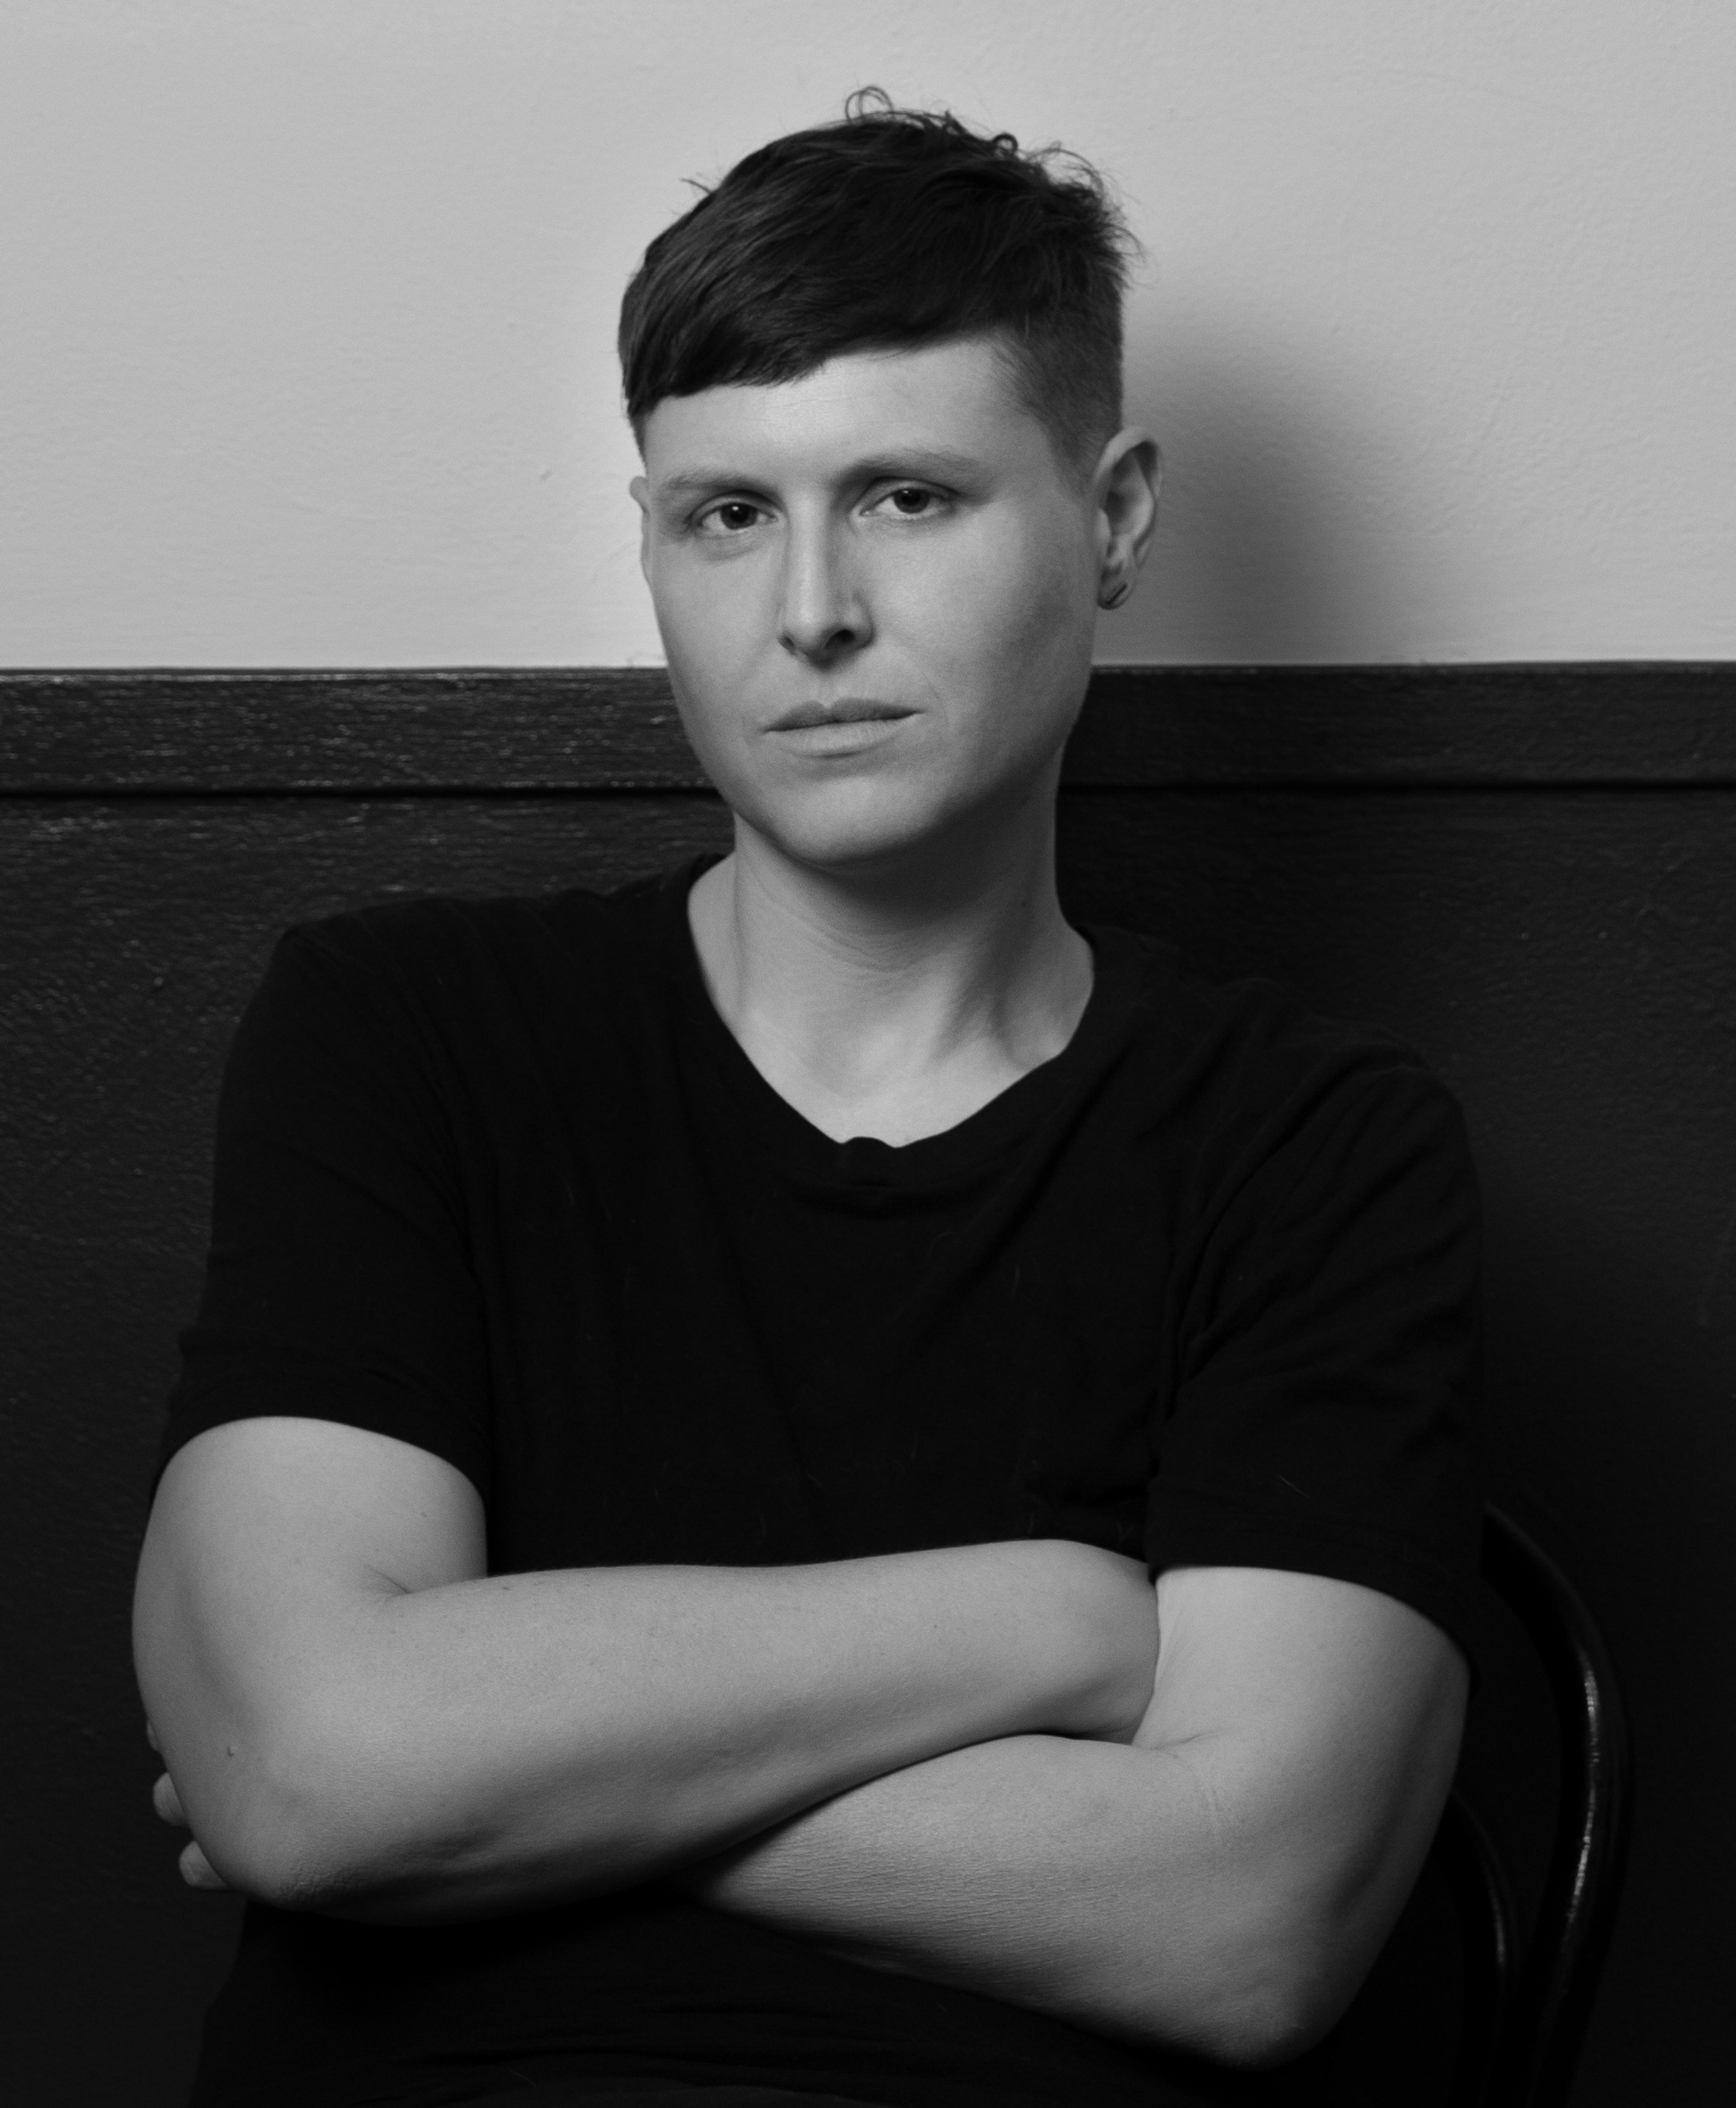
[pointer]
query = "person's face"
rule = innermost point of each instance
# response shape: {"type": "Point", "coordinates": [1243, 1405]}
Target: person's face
{"type": "Point", "coordinates": [876, 588]}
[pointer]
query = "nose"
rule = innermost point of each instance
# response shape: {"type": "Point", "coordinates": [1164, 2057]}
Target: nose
{"type": "Point", "coordinates": [824, 615]}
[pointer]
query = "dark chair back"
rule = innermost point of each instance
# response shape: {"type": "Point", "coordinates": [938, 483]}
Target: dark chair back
{"type": "Point", "coordinates": [1528, 1998]}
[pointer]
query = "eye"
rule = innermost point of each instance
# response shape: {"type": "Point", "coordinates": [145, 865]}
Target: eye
{"type": "Point", "coordinates": [734, 515]}
{"type": "Point", "coordinates": [909, 501]}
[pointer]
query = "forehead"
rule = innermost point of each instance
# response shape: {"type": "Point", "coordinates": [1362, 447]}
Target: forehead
{"type": "Point", "coordinates": [956, 398]}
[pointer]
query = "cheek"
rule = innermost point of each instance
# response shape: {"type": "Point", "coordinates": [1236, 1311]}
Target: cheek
{"type": "Point", "coordinates": [712, 628]}
{"type": "Point", "coordinates": [1012, 621]}
{"type": "Point", "coordinates": [703, 650]}
{"type": "Point", "coordinates": [694, 618]}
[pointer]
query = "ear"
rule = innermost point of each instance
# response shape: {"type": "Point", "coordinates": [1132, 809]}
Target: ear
{"type": "Point", "coordinates": [1129, 474]}
{"type": "Point", "coordinates": [639, 490]}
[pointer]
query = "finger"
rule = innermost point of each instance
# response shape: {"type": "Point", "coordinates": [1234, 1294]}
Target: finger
{"type": "Point", "coordinates": [197, 1871]}
{"type": "Point", "coordinates": [151, 1736]}
{"type": "Point", "coordinates": [167, 1802]}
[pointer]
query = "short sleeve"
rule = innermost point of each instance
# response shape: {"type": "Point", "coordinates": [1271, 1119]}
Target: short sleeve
{"type": "Point", "coordinates": [1328, 1357]}
{"type": "Point", "coordinates": [338, 1285]}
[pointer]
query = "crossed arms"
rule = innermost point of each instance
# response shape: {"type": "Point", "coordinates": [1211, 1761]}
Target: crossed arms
{"type": "Point", "coordinates": [975, 1765]}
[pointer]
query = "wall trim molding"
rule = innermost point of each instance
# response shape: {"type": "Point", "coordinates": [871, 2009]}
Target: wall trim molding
{"type": "Point", "coordinates": [173, 731]}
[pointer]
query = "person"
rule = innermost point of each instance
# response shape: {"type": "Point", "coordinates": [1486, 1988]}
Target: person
{"type": "Point", "coordinates": [803, 1481]}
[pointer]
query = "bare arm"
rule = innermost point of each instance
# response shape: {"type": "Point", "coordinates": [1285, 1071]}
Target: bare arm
{"type": "Point", "coordinates": [357, 1719]}
{"type": "Point", "coordinates": [1221, 1886]}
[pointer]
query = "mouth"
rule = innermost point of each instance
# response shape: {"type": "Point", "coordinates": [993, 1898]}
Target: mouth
{"type": "Point", "coordinates": [848, 709]}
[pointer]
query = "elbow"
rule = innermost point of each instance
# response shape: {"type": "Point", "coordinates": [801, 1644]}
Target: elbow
{"type": "Point", "coordinates": [1262, 1993]}
{"type": "Point", "coordinates": [268, 1847]}
{"type": "Point", "coordinates": [265, 1863]}
{"type": "Point", "coordinates": [331, 1817]}
{"type": "Point", "coordinates": [273, 1817]}
{"type": "Point", "coordinates": [1265, 2021]}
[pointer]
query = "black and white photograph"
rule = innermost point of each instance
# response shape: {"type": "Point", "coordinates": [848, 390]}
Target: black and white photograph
{"type": "Point", "coordinates": [868, 1053]}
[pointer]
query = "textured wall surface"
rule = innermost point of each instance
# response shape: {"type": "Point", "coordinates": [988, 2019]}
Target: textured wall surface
{"type": "Point", "coordinates": [309, 316]}
{"type": "Point", "coordinates": [1550, 915]}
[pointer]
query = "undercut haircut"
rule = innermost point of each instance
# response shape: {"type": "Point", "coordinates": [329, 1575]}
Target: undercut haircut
{"type": "Point", "coordinates": [889, 230]}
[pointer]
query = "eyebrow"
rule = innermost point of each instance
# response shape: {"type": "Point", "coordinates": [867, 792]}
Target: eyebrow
{"type": "Point", "coordinates": [938, 464]}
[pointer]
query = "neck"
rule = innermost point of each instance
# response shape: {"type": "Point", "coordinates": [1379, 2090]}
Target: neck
{"type": "Point", "coordinates": [896, 1000]}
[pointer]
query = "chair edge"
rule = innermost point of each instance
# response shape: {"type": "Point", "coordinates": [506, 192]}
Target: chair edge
{"type": "Point", "coordinates": [1552, 2003]}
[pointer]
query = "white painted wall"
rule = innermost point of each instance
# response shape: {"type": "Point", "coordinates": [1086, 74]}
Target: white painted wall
{"type": "Point", "coordinates": [307, 310]}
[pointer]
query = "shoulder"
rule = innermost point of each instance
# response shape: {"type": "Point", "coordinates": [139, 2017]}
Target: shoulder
{"type": "Point", "coordinates": [446, 941]}
{"type": "Point", "coordinates": [457, 997]}
{"type": "Point", "coordinates": [460, 962]}
{"type": "Point", "coordinates": [1249, 1040]}
{"type": "Point", "coordinates": [1264, 1103]}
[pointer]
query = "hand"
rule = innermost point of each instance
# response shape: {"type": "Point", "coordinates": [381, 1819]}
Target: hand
{"type": "Point", "coordinates": [197, 1871]}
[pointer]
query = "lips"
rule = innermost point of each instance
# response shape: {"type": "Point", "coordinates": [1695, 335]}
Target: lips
{"type": "Point", "coordinates": [849, 710]}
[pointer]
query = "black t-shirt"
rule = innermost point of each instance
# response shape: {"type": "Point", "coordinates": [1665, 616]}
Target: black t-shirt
{"type": "Point", "coordinates": [495, 1178]}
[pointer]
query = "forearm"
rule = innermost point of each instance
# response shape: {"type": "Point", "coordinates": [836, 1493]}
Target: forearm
{"type": "Point", "coordinates": [571, 1732]}
{"type": "Point", "coordinates": [1086, 1879]}
{"type": "Point", "coordinates": [1220, 1885]}
{"type": "Point", "coordinates": [491, 1744]}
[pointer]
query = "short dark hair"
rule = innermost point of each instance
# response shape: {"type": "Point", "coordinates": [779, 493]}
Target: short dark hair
{"type": "Point", "coordinates": [889, 229]}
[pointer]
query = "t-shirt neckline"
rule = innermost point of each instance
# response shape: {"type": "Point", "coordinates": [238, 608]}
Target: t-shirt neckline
{"type": "Point", "coordinates": [994, 1129]}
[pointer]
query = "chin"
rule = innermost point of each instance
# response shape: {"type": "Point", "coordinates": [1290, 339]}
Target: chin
{"type": "Point", "coordinates": [849, 828]}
